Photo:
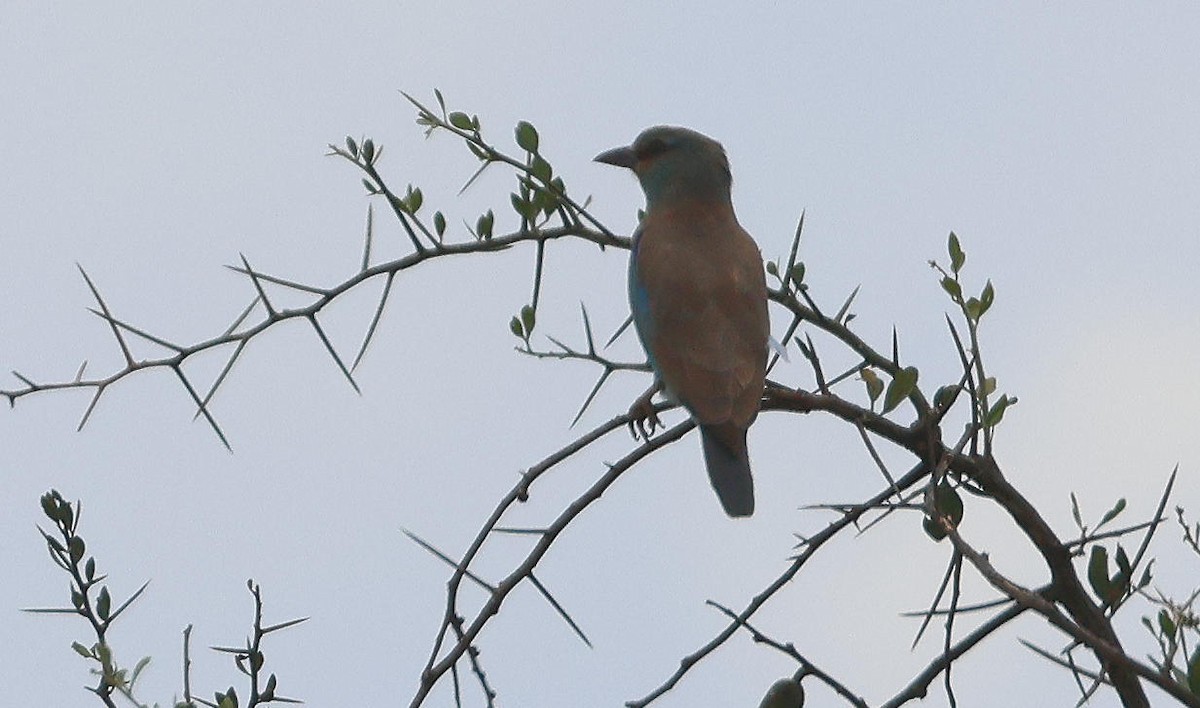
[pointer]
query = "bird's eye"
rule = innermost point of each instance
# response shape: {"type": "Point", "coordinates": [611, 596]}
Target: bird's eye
{"type": "Point", "coordinates": [653, 147]}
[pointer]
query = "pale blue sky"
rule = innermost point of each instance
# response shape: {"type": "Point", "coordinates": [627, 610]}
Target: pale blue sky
{"type": "Point", "coordinates": [153, 143]}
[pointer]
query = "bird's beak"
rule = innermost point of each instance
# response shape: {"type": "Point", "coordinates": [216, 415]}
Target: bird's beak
{"type": "Point", "coordinates": [621, 157]}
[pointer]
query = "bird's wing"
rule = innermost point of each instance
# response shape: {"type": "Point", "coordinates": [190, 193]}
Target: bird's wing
{"type": "Point", "coordinates": [706, 293]}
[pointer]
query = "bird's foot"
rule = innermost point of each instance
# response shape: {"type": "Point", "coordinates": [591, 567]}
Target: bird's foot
{"type": "Point", "coordinates": [643, 419]}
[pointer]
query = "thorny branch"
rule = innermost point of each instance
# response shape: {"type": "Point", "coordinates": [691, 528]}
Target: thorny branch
{"type": "Point", "coordinates": [240, 333]}
{"type": "Point", "coordinates": [546, 215]}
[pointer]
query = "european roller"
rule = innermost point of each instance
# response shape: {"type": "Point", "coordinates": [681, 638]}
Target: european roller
{"type": "Point", "coordinates": [699, 298]}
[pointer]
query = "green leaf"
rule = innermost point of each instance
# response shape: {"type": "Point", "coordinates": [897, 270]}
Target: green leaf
{"type": "Point", "coordinates": [137, 670]}
{"type": "Point", "coordinates": [368, 151]}
{"type": "Point", "coordinates": [1166, 624]}
{"type": "Point", "coordinates": [50, 506]}
{"type": "Point", "coordinates": [986, 297]}
{"type": "Point", "coordinates": [948, 503]}
{"type": "Point", "coordinates": [82, 650]}
{"type": "Point", "coordinates": [89, 569]}
{"type": "Point", "coordinates": [484, 226]}
{"type": "Point", "coordinates": [527, 137]}
{"type": "Point", "coordinates": [1112, 513]}
{"type": "Point", "coordinates": [351, 146]}
{"type": "Point", "coordinates": [515, 326]}
{"type": "Point", "coordinates": [520, 205]}
{"type": "Point", "coordinates": [414, 199]}
{"type": "Point", "coordinates": [77, 547]}
{"type": "Point", "coordinates": [797, 275]}
{"type": "Point", "coordinates": [103, 604]}
{"type": "Point", "coordinates": [772, 269]}
{"type": "Point", "coordinates": [53, 543]}
{"type": "Point", "coordinates": [945, 394]}
{"type": "Point", "coordinates": [996, 414]}
{"type": "Point", "coordinates": [1147, 576]}
{"type": "Point", "coordinates": [900, 388]}
{"type": "Point", "coordinates": [1126, 570]}
{"type": "Point", "coordinates": [1146, 623]}
{"type": "Point", "coordinates": [933, 529]}
{"type": "Point", "coordinates": [545, 201]}
{"type": "Point", "coordinates": [989, 386]}
{"type": "Point", "coordinates": [439, 223]}
{"type": "Point", "coordinates": [1193, 674]}
{"type": "Point", "coordinates": [951, 286]}
{"type": "Point", "coordinates": [478, 152]}
{"type": "Point", "coordinates": [367, 184]}
{"type": "Point", "coordinates": [957, 257]}
{"type": "Point", "coordinates": [461, 120]}
{"type": "Point", "coordinates": [528, 318]}
{"type": "Point", "coordinates": [541, 169]}
{"type": "Point", "coordinates": [1098, 573]}
{"type": "Point", "coordinates": [973, 309]}
{"type": "Point", "coordinates": [949, 506]}
{"type": "Point", "coordinates": [873, 382]}
{"type": "Point", "coordinates": [1075, 511]}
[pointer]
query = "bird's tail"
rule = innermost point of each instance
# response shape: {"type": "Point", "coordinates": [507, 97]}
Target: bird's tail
{"type": "Point", "coordinates": [728, 463]}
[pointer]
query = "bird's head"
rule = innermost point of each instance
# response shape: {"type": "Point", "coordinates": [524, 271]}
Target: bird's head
{"type": "Point", "coordinates": [672, 163]}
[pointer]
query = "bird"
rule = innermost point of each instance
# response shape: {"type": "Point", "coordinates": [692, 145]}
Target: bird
{"type": "Point", "coordinates": [698, 296]}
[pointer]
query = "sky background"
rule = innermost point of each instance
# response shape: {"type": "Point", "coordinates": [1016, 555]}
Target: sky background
{"type": "Point", "coordinates": [153, 143]}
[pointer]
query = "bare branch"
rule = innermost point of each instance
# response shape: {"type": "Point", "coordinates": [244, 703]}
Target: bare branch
{"type": "Point", "coordinates": [436, 667]}
{"type": "Point", "coordinates": [811, 546]}
{"type": "Point", "coordinates": [807, 667]}
{"type": "Point", "coordinates": [235, 334]}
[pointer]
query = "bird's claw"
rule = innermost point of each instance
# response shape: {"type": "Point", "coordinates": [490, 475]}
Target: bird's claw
{"type": "Point", "coordinates": [643, 419]}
